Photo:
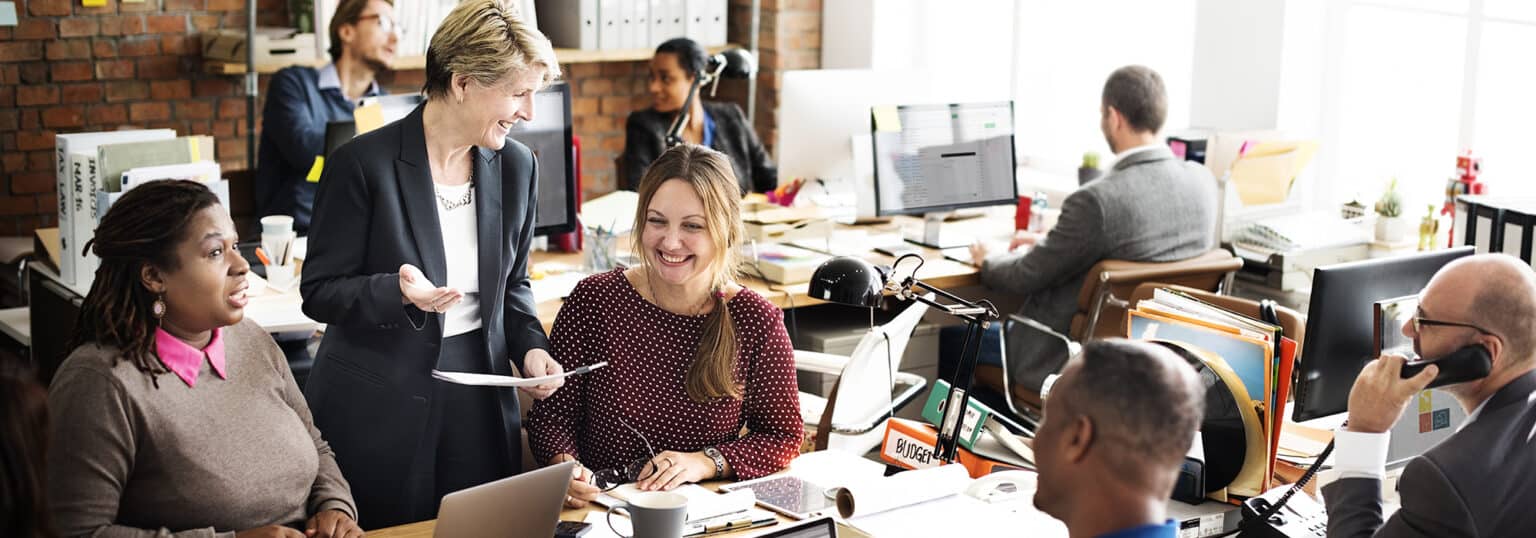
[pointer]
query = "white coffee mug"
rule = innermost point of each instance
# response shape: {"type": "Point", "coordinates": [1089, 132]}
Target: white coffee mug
{"type": "Point", "coordinates": [653, 514]}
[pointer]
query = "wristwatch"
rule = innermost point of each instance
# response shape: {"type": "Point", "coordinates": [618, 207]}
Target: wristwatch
{"type": "Point", "coordinates": [719, 459]}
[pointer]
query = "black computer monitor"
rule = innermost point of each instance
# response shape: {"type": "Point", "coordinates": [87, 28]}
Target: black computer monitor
{"type": "Point", "coordinates": [1340, 323]}
{"type": "Point", "coordinates": [934, 159]}
{"type": "Point", "coordinates": [549, 136]}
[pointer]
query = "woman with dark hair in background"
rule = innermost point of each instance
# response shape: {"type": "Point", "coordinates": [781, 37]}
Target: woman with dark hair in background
{"type": "Point", "coordinates": [719, 126]}
{"type": "Point", "coordinates": [23, 443]}
{"type": "Point", "coordinates": [223, 443]}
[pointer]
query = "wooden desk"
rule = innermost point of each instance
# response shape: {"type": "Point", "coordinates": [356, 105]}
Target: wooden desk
{"type": "Point", "coordinates": [423, 529]}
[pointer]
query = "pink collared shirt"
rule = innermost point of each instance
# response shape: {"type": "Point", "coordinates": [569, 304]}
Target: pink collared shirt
{"type": "Point", "coordinates": [186, 361]}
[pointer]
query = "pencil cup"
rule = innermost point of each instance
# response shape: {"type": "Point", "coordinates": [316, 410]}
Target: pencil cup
{"type": "Point", "coordinates": [653, 514]}
{"type": "Point", "coordinates": [598, 251]}
{"type": "Point", "coordinates": [281, 278]}
{"type": "Point", "coordinates": [276, 225]}
{"type": "Point", "coordinates": [278, 246]}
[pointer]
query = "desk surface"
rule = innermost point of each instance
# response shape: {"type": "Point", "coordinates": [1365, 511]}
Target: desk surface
{"type": "Point", "coordinates": [423, 529]}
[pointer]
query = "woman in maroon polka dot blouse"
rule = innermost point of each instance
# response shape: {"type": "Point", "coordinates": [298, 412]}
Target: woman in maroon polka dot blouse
{"type": "Point", "coordinates": [694, 359]}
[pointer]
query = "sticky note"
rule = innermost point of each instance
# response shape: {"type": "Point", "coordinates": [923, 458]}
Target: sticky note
{"type": "Point", "coordinates": [7, 14]}
{"type": "Point", "coordinates": [93, 3]}
{"type": "Point", "coordinates": [368, 117]}
{"type": "Point", "coordinates": [886, 118]}
{"type": "Point", "coordinates": [314, 171]}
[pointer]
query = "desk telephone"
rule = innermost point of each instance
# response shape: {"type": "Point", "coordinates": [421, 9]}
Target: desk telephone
{"type": "Point", "coordinates": [1280, 513]}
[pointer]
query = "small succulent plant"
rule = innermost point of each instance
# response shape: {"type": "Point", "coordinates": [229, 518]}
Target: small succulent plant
{"type": "Point", "coordinates": [1391, 202]}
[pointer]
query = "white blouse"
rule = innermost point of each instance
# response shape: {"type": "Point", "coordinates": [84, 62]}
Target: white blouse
{"type": "Point", "coordinates": [462, 247]}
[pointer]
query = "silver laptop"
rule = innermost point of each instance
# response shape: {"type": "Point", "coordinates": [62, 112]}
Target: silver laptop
{"type": "Point", "coordinates": [522, 506]}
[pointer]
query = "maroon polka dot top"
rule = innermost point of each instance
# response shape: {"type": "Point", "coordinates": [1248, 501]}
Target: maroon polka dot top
{"type": "Point", "coordinates": [649, 351]}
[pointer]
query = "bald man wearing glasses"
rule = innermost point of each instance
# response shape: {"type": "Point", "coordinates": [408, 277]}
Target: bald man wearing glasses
{"type": "Point", "coordinates": [1481, 481]}
{"type": "Point", "coordinates": [301, 100]}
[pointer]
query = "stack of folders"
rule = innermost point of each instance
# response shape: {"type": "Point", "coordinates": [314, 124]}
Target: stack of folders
{"type": "Point", "coordinates": [1258, 353]}
{"type": "Point", "coordinates": [985, 445]}
{"type": "Point", "coordinates": [95, 169]}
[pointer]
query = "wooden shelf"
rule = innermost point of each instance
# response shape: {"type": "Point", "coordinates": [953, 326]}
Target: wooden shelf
{"type": "Point", "coordinates": [409, 63]}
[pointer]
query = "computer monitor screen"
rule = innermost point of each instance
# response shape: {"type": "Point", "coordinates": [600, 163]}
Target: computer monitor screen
{"type": "Point", "coordinates": [1340, 322]}
{"type": "Point", "coordinates": [937, 158]}
{"type": "Point", "coordinates": [549, 136]}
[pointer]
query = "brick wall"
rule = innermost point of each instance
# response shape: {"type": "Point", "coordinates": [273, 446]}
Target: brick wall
{"type": "Point", "coordinates": [68, 68]}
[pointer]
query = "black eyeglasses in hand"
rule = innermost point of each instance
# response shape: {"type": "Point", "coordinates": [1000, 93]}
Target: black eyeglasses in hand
{"type": "Point", "coordinates": [608, 479]}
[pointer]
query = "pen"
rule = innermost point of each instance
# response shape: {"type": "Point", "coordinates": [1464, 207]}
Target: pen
{"type": "Point", "coordinates": [588, 368]}
{"type": "Point", "coordinates": [260, 255]}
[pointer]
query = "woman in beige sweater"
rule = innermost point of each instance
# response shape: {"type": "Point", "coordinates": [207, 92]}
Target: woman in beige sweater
{"type": "Point", "coordinates": [173, 417]}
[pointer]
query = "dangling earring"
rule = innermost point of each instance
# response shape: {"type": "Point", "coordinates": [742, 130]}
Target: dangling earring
{"type": "Point", "coordinates": [158, 309]}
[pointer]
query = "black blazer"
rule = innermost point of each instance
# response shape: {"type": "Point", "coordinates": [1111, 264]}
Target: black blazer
{"type": "Point", "coordinates": [645, 137]}
{"type": "Point", "coordinates": [371, 385]}
{"type": "Point", "coordinates": [1477, 482]}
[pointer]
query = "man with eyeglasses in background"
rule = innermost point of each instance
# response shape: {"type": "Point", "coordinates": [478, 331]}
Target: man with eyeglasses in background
{"type": "Point", "coordinates": [1481, 481]}
{"type": "Point", "coordinates": [301, 100]}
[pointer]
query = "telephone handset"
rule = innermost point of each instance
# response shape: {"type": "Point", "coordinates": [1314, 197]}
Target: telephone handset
{"type": "Point", "coordinates": [1003, 487]}
{"type": "Point", "coordinates": [1465, 364]}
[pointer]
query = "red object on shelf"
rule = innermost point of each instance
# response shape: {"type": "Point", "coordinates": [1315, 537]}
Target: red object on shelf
{"type": "Point", "coordinates": [1021, 214]}
{"type": "Point", "coordinates": [571, 242]}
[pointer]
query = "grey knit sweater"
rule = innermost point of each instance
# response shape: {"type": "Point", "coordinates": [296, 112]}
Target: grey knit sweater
{"type": "Point", "coordinates": [130, 460]}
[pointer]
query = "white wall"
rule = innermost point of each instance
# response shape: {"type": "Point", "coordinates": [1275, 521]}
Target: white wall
{"type": "Point", "coordinates": [1237, 64]}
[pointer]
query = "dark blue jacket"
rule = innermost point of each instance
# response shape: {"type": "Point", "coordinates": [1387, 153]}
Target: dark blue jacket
{"type": "Point", "coordinates": [299, 104]}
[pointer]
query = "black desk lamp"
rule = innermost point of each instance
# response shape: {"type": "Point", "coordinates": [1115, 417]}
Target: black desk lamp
{"type": "Point", "coordinates": [853, 281]}
{"type": "Point", "coordinates": [729, 63]}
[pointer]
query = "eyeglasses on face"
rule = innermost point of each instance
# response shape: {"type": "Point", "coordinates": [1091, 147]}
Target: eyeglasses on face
{"type": "Point", "coordinates": [1419, 322]}
{"type": "Point", "coordinates": [386, 24]}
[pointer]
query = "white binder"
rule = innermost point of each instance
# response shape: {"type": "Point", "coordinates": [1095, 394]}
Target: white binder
{"type": "Point", "coordinates": [571, 24]}
{"type": "Point", "coordinates": [715, 23]}
{"type": "Point", "coordinates": [696, 13]}
{"type": "Point", "coordinates": [608, 32]}
{"type": "Point", "coordinates": [640, 24]}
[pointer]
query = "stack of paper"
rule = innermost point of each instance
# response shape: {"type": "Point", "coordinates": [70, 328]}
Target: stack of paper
{"type": "Point", "coordinates": [1309, 231]}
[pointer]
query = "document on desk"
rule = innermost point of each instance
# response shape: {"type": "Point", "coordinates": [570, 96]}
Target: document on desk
{"type": "Point", "coordinates": [703, 504]}
{"type": "Point", "coordinates": [489, 380]}
{"type": "Point", "coordinates": [958, 515]}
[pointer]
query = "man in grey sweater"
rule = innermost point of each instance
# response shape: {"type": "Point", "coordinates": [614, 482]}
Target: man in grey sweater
{"type": "Point", "coordinates": [1151, 207]}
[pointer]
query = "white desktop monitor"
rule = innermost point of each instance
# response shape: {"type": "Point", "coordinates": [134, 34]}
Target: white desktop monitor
{"type": "Point", "coordinates": [823, 115]}
{"type": "Point", "coordinates": [939, 158]}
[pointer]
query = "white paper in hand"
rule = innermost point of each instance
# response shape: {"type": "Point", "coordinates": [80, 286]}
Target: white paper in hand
{"type": "Point", "coordinates": [490, 380]}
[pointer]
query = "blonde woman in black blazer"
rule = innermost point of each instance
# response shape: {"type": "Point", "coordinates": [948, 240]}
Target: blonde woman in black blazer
{"type": "Point", "coordinates": [418, 261]}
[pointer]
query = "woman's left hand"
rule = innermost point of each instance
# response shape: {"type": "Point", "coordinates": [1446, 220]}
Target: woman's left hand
{"type": "Point", "coordinates": [332, 524]}
{"type": "Point", "coordinates": [669, 469]}
{"type": "Point", "coordinates": [538, 363]}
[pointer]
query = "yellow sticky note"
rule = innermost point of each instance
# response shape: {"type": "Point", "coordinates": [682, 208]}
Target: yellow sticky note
{"type": "Point", "coordinates": [886, 118]}
{"type": "Point", "coordinates": [368, 117]}
{"type": "Point", "coordinates": [193, 150]}
{"type": "Point", "coordinates": [93, 3]}
{"type": "Point", "coordinates": [314, 171]}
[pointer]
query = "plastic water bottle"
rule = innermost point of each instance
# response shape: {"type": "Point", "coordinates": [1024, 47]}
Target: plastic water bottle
{"type": "Point", "coordinates": [1037, 212]}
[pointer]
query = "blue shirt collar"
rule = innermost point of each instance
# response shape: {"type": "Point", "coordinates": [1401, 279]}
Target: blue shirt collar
{"type": "Point", "coordinates": [1169, 529]}
{"type": "Point", "coordinates": [331, 80]}
{"type": "Point", "coordinates": [709, 130]}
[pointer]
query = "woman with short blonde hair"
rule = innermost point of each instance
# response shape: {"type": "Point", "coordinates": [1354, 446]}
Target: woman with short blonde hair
{"type": "Point", "coordinates": [693, 356]}
{"type": "Point", "coordinates": [419, 261]}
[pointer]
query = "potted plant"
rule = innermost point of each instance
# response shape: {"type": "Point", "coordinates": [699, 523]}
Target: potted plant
{"type": "Point", "coordinates": [1391, 227]}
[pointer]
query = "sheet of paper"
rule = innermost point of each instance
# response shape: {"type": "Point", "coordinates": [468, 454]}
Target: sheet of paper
{"type": "Point", "coordinates": [613, 212]}
{"type": "Point", "coordinates": [489, 380]}
{"type": "Point", "coordinates": [7, 14]}
{"type": "Point", "coordinates": [956, 515]}
{"type": "Point", "coordinates": [702, 503]}
{"type": "Point", "coordinates": [368, 117]}
{"type": "Point", "coordinates": [555, 286]}
{"type": "Point", "coordinates": [600, 528]}
{"type": "Point", "coordinates": [886, 118]}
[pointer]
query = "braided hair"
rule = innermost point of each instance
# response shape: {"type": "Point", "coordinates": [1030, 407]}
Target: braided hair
{"type": "Point", "coordinates": [142, 228]}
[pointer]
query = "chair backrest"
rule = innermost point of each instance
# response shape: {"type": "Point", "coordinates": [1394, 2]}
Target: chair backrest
{"type": "Point", "coordinates": [1101, 301]}
{"type": "Point", "coordinates": [866, 381]}
{"type": "Point", "coordinates": [1292, 323]}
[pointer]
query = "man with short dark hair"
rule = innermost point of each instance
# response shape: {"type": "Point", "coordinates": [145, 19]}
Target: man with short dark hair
{"type": "Point", "coordinates": [1151, 207]}
{"type": "Point", "coordinates": [1479, 481]}
{"type": "Point", "coordinates": [302, 100]}
{"type": "Point", "coordinates": [1117, 425]}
